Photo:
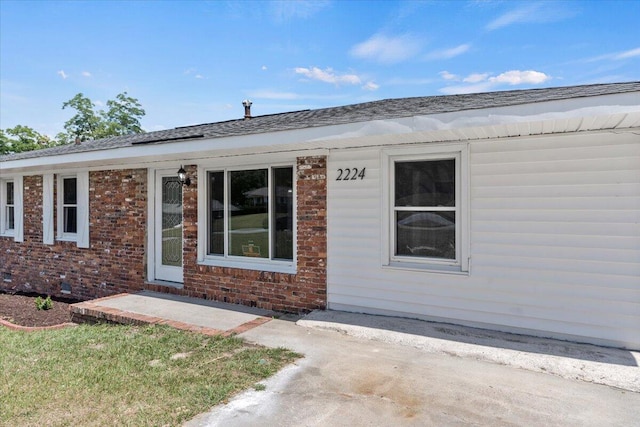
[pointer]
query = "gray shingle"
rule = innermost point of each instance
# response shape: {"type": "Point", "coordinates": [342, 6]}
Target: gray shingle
{"type": "Point", "coordinates": [376, 110]}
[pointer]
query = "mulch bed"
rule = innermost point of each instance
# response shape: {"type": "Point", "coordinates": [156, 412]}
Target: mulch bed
{"type": "Point", "coordinates": [21, 310]}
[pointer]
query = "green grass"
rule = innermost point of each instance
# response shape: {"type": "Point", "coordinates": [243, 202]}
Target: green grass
{"type": "Point", "coordinates": [123, 375]}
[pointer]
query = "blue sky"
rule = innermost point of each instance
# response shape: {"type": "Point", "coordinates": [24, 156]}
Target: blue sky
{"type": "Point", "coordinates": [192, 62]}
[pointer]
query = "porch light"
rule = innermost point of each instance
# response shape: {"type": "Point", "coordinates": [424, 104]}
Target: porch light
{"type": "Point", "coordinates": [182, 177]}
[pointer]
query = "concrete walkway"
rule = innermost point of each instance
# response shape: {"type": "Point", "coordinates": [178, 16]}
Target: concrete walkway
{"type": "Point", "coordinates": [361, 370]}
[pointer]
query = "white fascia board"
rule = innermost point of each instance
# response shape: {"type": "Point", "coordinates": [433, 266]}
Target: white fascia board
{"type": "Point", "coordinates": [570, 115]}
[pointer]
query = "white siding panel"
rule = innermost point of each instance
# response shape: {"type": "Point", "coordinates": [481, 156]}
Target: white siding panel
{"type": "Point", "coordinates": [555, 241]}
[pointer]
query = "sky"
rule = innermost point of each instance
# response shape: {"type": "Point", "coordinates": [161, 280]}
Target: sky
{"type": "Point", "coordinates": [191, 62]}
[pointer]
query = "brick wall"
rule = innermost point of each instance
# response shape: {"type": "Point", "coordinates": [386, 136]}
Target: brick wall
{"type": "Point", "coordinates": [116, 260]}
{"type": "Point", "coordinates": [299, 292]}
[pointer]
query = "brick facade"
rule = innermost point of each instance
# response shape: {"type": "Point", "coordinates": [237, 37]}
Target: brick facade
{"type": "Point", "coordinates": [304, 291]}
{"type": "Point", "coordinates": [116, 261]}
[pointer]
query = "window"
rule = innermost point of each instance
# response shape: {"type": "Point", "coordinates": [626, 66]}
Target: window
{"type": "Point", "coordinates": [250, 215]}
{"type": "Point", "coordinates": [427, 215]}
{"type": "Point", "coordinates": [69, 205]}
{"type": "Point", "coordinates": [73, 208]}
{"type": "Point", "coordinates": [7, 215]}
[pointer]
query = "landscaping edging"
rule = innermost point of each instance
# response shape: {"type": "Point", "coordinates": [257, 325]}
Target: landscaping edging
{"type": "Point", "coordinates": [15, 327]}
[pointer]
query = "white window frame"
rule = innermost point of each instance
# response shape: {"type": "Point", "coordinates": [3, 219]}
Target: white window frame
{"type": "Point", "coordinates": [457, 152]}
{"type": "Point", "coordinates": [227, 260]}
{"type": "Point", "coordinates": [17, 231]}
{"type": "Point", "coordinates": [81, 236]}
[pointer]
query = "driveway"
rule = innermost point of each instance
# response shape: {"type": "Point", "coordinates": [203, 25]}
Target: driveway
{"type": "Point", "coordinates": [349, 381]}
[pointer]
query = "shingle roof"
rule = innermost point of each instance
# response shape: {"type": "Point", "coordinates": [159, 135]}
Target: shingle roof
{"type": "Point", "coordinates": [376, 110]}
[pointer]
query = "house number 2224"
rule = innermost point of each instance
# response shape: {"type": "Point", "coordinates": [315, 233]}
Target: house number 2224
{"type": "Point", "coordinates": [350, 174]}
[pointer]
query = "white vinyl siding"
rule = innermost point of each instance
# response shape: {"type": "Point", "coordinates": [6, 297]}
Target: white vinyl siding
{"type": "Point", "coordinates": [554, 241]}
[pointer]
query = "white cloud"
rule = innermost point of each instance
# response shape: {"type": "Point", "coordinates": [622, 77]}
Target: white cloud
{"type": "Point", "coordinates": [448, 53]}
{"type": "Point", "coordinates": [86, 74]}
{"type": "Point", "coordinates": [198, 76]}
{"type": "Point", "coordinates": [371, 86]}
{"type": "Point", "coordinates": [387, 50]}
{"type": "Point", "coordinates": [540, 12]}
{"type": "Point", "coordinates": [448, 76]}
{"type": "Point", "coordinates": [476, 78]}
{"type": "Point", "coordinates": [62, 74]}
{"type": "Point", "coordinates": [517, 77]}
{"type": "Point", "coordinates": [263, 68]}
{"type": "Point", "coordinates": [628, 54]}
{"type": "Point", "coordinates": [328, 75]}
{"type": "Point", "coordinates": [482, 82]}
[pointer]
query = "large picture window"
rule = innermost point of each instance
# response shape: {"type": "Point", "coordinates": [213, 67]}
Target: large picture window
{"type": "Point", "coordinates": [427, 225]}
{"type": "Point", "coordinates": [250, 214]}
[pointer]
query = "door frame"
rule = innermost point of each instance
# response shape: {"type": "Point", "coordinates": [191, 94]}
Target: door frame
{"type": "Point", "coordinates": [154, 225]}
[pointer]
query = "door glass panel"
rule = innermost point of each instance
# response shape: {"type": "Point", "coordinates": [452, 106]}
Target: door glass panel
{"type": "Point", "coordinates": [171, 222]}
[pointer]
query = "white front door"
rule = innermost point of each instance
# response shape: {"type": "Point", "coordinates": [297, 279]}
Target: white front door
{"type": "Point", "coordinates": [168, 227]}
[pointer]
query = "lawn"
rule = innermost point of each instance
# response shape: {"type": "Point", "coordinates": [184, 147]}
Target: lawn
{"type": "Point", "coordinates": [94, 375]}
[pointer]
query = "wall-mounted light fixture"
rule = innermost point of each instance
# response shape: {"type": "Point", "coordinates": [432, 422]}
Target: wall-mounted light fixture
{"type": "Point", "coordinates": [182, 177]}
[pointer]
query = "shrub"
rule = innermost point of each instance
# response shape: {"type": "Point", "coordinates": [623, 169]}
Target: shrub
{"type": "Point", "coordinates": [44, 303]}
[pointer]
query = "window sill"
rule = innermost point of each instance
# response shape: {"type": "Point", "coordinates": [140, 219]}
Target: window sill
{"type": "Point", "coordinates": [426, 268]}
{"type": "Point", "coordinates": [272, 267]}
{"type": "Point", "coordinates": [66, 239]}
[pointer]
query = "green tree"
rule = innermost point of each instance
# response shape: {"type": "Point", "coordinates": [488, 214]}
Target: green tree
{"type": "Point", "coordinates": [86, 123]}
{"type": "Point", "coordinates": [23, 138]}
{"type": "Point", "coordinates": [122, 117]}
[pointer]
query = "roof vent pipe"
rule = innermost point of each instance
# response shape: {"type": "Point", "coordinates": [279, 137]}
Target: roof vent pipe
{"type": "Point", "coordinates": [247, 109]}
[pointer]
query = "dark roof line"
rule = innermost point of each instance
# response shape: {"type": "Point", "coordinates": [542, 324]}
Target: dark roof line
{"type": "Point", "coordinates": [387, 109]}
{"type": "Point", "coordinates": [241, 120]}
{"type": "Point", "coordinates": [176, 138]}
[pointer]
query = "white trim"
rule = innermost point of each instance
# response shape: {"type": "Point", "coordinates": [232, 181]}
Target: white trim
{"type": "Point", "coordinates": [151, 235]}
{"type": "Point", "coordinates": [61, 234]}
{"type": "Point", "coordinates": [457, 151]}
{"type": "Point", "coordinates": [83, 209]}
{"type": "Point", "coordinates": [584, 114]}
{"type": "Point", "coordinates": [162, 273]}
{"type": "Point", "coordinates": [16, 231]}
{"type": "Point", "coordinates": [47, 209]}
{"type": "Point", "coordinates": [18, 209]}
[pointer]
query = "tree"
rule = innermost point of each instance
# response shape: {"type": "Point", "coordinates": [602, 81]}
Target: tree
{"type": "Point", "coordinates": [85, 124]}
{"type": "Point", "coordinates": [121, 118]}
{"type": "Point", "coordinates": [23, 138]}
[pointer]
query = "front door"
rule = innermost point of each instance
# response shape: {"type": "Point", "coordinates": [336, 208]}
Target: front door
{"type": "Point", "coordinates": [168, 227]}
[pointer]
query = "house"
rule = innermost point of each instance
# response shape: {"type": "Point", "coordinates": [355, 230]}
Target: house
{"type": "Point", "coordinates": [516, 211]}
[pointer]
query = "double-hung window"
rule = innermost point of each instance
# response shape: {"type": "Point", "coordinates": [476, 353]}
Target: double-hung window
{"type": "Point", "coordinates": [427, 211]}
{"type": "Point", "coordinates": [7, 215]}
{"type": "Point", "coordinates": [69, 211]}
{"type": "Point", "coordinates": [73, 208]}
{"type": "Point", "coordinates": [250, 215]}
